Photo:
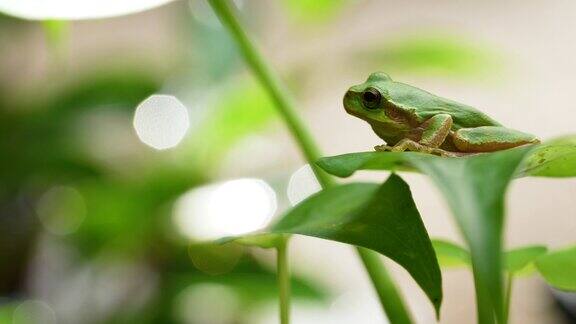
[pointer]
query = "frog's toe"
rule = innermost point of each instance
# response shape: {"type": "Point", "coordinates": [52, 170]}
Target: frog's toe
{"type": "Point", "coordinates": [382, 148]}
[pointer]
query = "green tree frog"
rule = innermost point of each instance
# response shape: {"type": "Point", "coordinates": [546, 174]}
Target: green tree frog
{"type": "Point", "coordinates": [408, 118]}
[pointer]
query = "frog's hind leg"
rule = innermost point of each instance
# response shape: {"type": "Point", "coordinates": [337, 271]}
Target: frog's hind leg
{"type": "Point", "coordinates": [490, 139]}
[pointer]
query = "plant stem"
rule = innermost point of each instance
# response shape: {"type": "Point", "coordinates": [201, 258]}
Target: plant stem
{"type": "Point", "coordinates": [509, 281]}
{"type": "Point", "coordinates": [484, 304]}
{"type": "Point", "coordinates": [387, 291]}
{"type": "Point", "coordinates": [283, 280]}
{"type": "Point", "coordinates": [285, 105]}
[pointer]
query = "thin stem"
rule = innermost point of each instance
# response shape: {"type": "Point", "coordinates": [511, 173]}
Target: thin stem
{"type": "Point", "coordinates": [484, 308]}
{"type": "Point", "coordinates": [283, 101]}
{"type": "Point", "coordinates": [509, 281]}
{"type": "Point", "coordinates": [285, 105]}
{"type": "Point", "coordinates": [283, 280]}
{"type": "Point", "coordinates": [387, 291]}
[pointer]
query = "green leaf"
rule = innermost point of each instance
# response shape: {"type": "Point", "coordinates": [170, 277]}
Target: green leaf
{"type": "Point", "coordinates": [519, 259]}
{"type": "Point", "coordinates": [345, 165]}
{"type": "Point", "coordinates": [451, 255]}
{"type": "Point", "coordinates": [264, 241]}
{"type": "Point", "coordinates": [381, 218]}
{"type": "Point", "coordinates": [239, 111]}
{"type": "Point", "coordinates": [309, 11]}
{"type": "Point", "coordinates": [555, 158]}
{"type": "Point", "coordinates": [559, 268]}
{"type": "Point", "coordinates": [433, 54]}
{"type": "Point", "coordinates": [474, 187]}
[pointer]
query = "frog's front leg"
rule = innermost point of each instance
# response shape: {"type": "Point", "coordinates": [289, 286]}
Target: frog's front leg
{"type": "Point", "coordinates": [413, 146]}
{"type": "Point", "coordinates": [436, 129]}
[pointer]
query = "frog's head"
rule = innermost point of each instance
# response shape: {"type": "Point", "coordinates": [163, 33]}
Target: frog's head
{"type": "Point", "coordinates": [367, 100]}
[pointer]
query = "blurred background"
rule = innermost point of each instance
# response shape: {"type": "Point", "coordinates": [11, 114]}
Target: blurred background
{"type": "Point", "coordinates": [102, 207]}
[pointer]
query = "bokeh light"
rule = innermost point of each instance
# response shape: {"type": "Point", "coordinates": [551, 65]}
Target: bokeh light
{"type": "Point", "coordinates": [230, 208]}
{"type": "Point", "coordinates": [73, 9]}
{"type": "Point", "coordinates": [34, 312]}
{"type": "Point", "coordinates": [161, 121]}
{"type": "Point", "coordinates": [302, 184]}
{"type": "Point", "coordinates": [61, 210]}
{"type": "Point", "coordinates": [207, 303]}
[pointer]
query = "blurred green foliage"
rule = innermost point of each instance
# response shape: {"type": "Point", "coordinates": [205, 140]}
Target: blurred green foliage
{"type": "Point", "coordinates": [314, 11]}
{"type": "Point", "coordinates": [432, 54]}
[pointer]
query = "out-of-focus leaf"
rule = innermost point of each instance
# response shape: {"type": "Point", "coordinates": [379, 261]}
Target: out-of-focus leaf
{"type": "Point", "coordinates": [75, 10]}
{"type": "Point", "coordinates": [554, 158]}
{"type": "Point", "coordinates": [254, 288]}
{"type": "Point", "coordinates": [39, 135]}
{"type": "Point", "coordinates": [517, 260]}
{"type": "Point", "coordinates": [451, 255]}
{"type": "Point", "coordinates": [474, 187]}
{"type": "Point", "coordinates": [265, 241]}
{"type": "Point", "coordinates": [239, 111]}
{"type": "Point", "coordinates": [250, 281]}
{"type": "Point", "coordinates": [559, 268]}
{"type": "Point", "coordinates": [6, 312]}
{"type": "Point", "coordinates": [215, 259]}
{"type": "Point", "coordinates": [381, 218]}
{"type": "Point", "coordinates": [314, 11]}
{"type": "Point", "coordinates": [432, 54]}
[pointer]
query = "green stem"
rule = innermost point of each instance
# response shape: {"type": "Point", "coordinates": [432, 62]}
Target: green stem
{"type": "Point", "coordinates": [283, 280]}
{"type": "Point", "coordinates": [387, 291]}
{"type": "Point", "coordinates": [286, 107]}
{"type": "Point", "coordinates": [509, 281]}
{"type": "Point", "coordinates": [484, 304]}
{"type": "Point", "coordinates": [226, 13]}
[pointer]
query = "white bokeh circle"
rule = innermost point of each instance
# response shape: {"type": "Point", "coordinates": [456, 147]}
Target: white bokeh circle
{"type": "Point", "coordinates": [75, 9]}
{"type": "Point", "coordinates": [161, 121]}
{"type": "Point", "coordinates": [302, 184]}
{"type": "Point", "coordinates": [229, 208]}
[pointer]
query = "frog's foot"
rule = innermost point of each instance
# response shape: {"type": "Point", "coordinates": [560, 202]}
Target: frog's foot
{"type": "Point", "coordinates": [382, 148]}
{"type": "Point", "coordinates": [410, 145]}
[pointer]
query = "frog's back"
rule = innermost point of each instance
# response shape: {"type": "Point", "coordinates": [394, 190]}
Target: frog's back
{"type": "Point", "coordinates": [426, 105]}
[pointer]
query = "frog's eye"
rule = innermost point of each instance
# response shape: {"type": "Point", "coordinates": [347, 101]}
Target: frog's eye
{"type": "Point", "coordinates": [371, 98]}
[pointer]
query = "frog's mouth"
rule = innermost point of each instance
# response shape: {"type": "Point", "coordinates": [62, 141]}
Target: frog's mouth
{"type": "Point", "coordinates": [351, 100]}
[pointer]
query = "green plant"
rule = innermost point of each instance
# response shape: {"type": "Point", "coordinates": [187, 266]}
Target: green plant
{"type": "Point", "coordinates": [378, 219]}
{"type": "Point", "coordinates": [474, 188]}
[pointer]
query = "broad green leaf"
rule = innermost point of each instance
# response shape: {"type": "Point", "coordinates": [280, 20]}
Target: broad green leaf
{"type": "Point", "coordinates": [381, 218]}
{"type": "Point", "coordinates": [555, 158]}
{"type": "Point", "coordinates": [451, 255]}
{"type": "Point", "coordinates": [517, 260]}
{"type": "Point", "coordinates": [346, 164]}
{"type": "Point", "coordinates": [559, 268]}
{"type": "Point", "coordinates": [474, 187]}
